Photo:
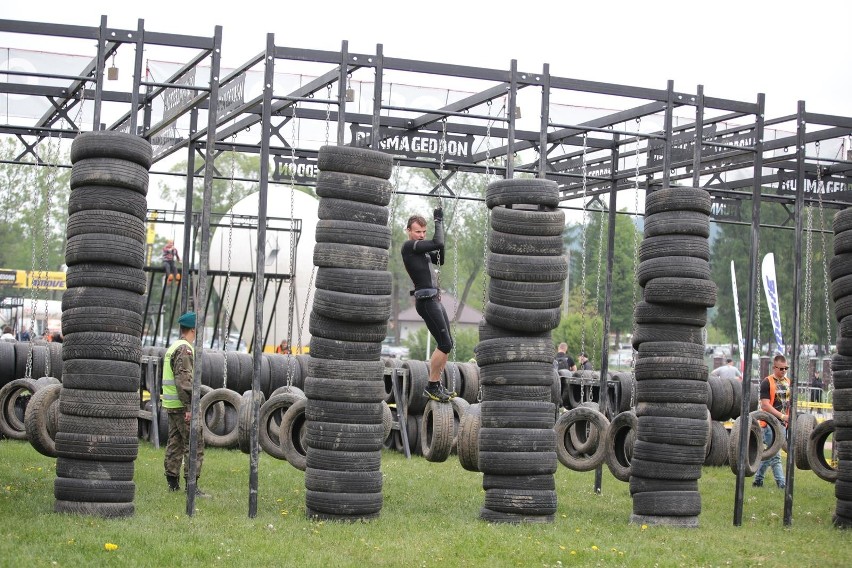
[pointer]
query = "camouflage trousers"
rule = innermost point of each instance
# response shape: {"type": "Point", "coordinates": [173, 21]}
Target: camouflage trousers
{"type": "Point", "coordinates": [177, 448]}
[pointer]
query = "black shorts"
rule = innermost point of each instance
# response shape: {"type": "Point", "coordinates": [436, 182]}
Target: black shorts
{"type": "Point", "coordinates": [437, 322]}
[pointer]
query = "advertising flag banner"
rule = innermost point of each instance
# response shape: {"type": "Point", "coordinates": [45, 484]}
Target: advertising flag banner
{"type": "Point", "coordinates": [740, 341]}
{"type": "Point", "coordinates": [770, 286]}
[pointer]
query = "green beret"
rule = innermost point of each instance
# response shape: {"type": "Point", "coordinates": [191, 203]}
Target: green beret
{"type": "Point", "coordinates": [187, 320]}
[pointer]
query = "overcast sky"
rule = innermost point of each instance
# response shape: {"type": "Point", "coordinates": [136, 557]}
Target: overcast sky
{"type": "Point", "coordinates": [789, 50]}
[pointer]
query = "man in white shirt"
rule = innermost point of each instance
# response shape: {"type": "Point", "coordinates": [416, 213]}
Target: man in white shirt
{"type": "Point", "coordinates": [728, 371]}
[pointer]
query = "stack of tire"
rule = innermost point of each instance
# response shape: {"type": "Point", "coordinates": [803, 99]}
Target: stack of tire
{"type": "Point", "coordinates": [671, 390]}
{"type": "Point", "coordinates": [344, 383]}
{"type": "Point", "coordinates": [102, 308]}
{"type": "Point", "coordinates": [520, 387]}
{"type": "Point", "coordinates": [840, 271]}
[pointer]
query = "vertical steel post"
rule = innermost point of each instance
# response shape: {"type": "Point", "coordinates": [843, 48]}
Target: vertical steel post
{"type": "Point", "coordinates": [377, 97]}
{"type": "Point", "coordinates": [99, 74]}
{"type": "Point", "coordinates": [545, 119]}
{"type": "Point", "coordinates": [607, 315]}
{"type": "Point", "coordinates": [257, 344]}
{"type": "Point", "coordinates": [753, 306]}
{"type": "Point", "coordinates": [801, 145]}
{"type": "Point", "coordinates": [187, 216]}
{"type": "Point", "coordinates": [195, 428]}
{"type": "Point", "coordinates": [510, 112]}
{"type": "Point", "coordinates": [699, 138]}
{"type": "Point", "coordinates": [137, 76]}
{"type": "Point", "coordinates": [667, 143]}
{"type": "Point", "coordinates": [341, 92]}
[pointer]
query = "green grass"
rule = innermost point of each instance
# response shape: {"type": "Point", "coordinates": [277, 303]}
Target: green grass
{"type": "Point", "coordinates": [430, 518]}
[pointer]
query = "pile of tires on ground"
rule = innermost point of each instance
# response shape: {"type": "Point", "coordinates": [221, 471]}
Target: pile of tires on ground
{"type": "Point", "coordinates": [517, 442]}
{"type": "Point", "coordinates": [43, 359]}
{"type": "Point", "coordinates": [673, 425]}
{"type": "Point", "coordinates": [96, 440]}
{"type": "Point", "coordinates": [841, 372]}
{"type": "Point", "coordinates": [352, 304]}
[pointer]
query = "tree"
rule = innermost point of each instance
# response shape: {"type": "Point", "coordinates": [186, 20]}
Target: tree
{"type": "Point", "coordinates": [465, 341]}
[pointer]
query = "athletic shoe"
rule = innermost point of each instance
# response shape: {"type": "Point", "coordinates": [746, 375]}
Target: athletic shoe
{"type": "Point", "coordinates": [757, 483]}
{"type": "Point", "coordinates": [436, 391]}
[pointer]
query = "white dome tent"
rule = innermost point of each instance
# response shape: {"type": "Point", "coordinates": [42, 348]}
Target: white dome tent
{"type": "Point", "coordinates": [244, 258]}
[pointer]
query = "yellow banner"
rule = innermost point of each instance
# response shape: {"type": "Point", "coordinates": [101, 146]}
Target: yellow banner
{"type": "Point", "coordinates": [41, 279]}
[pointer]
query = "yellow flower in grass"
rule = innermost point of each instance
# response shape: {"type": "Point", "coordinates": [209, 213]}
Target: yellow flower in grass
{"type": "Point", "coordinates": [110, 546]}
{"type": "Point", "coordinates": [594, 547]}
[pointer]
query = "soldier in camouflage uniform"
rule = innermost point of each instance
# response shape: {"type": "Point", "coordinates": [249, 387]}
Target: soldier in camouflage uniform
{"type": "Point", "coordinates": [178, 364]}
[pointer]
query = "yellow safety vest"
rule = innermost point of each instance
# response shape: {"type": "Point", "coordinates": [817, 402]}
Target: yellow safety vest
{"type": "Point", "coordinates": [170, 395]}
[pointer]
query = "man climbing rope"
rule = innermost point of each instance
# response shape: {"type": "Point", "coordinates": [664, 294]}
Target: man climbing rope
{"type": "Point", "coordinates": [418, 254]}
{"type": "Point", "coordinates": [170, 258]}
{"type": "Point", "coordinates": [178, 364]}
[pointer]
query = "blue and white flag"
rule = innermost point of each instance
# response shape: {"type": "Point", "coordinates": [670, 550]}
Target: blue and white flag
{"type": "Point", "coordinates": [770, 286]}
{"type": "Point", "coordinates": [740, 341]}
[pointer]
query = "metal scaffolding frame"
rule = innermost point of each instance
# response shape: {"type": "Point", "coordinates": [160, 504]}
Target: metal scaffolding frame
{"type": "Point", "coordinates": [718, 137]}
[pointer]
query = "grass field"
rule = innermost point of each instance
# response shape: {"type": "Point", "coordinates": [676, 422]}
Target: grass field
{"type": "Point", "coordinates": [430, 518]}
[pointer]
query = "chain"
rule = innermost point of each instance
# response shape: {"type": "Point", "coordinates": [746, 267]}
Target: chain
{"type": "Point", "coordinates": [635, 282]}
{"type": "Point", "coordinates": [394, 195]}
{"type": "Point", "coordinates": [79, 114]}
{"type": "Point", "coordinates": [819, 193]}
{"type": "Point", "coordinates": [598, 330]}
{"type": "Point", "coordinates": [327, 112]}
{"type": "Point", "coordinates": [806, 323]}
{"type": "Point", "coordinates": [305, 310]}
{"type": "Point", "coordinates": [291, 362]}
{"type": "Point", "coordinates": [226, 324]}
{"type": "Point", "coordinates": [487, 210]}
{"type": "Point", "coordinates": [583, 255]}
{"type": "Point", "coordinates": [53, 153]}
{"type": "Point", "coordinates": [442, 148]}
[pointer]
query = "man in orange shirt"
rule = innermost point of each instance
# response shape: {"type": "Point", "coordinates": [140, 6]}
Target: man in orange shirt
{"type": "Point", "coordinates": [774, 397]}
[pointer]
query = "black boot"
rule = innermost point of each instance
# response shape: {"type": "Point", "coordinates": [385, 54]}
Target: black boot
{"type": "Point", "coordinates": [174, 484]}
{"type": "Point", "coordinates": [198, 491]}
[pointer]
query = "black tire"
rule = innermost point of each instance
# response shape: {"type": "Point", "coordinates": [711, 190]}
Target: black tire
{"type": "Point", "coordinates": [36, 420]}
{"type": "Point", "coordinates": [505, 350]}
{"type": "Point", "coordinates": [533, 482]}
{"type": "Point", "coordinates": [648, 469]}
{"type": "Point", "coordinates": [103, 247]}
{"type": "Point", "coordinates": [659, 332]}
{"type": "Point", "coordinates": [521, 501]}
{"type": "Point", "coordinates": [354, 160]}
{"type": "Point", "coordinates": [353, 187]}
{"type": "Point", "coordinates": [101, 374]}
{"type": "Point", "coordinates": [722, 398]}
{"type": "Point", "coordinates": [22, 354]}
{"type": "Point", "coordinates": [671, 390]}
{"type": "Point", "coordinates": [344, 437]}
{"type": "Point", "coordinates": [99, 404]}
{"type": "Point", "coordinates": [517, 373]}
{"type": "Point", "coordinates": [111, 320]}
{"type": "Point", "coordinates": [343, 461]}
{"type": "Point", "coordinates": [517, 392]}
{"type": "Point", "coordinates": [528, 191]}
{"type": "Point", "coordinates": [568, 455]}
{"type": "Point", "coordinates": [677, 223]}
{"type": "Point", "coordinates": [244, 419]}
{"type": "Point", "coordinates": [353, 233]}
{"type": "Point", "coordinates": [354, 281]}
{"type": "Point", "coordinates": [88, 508]}
{"type": "Point", "coordinates": [673, 266]}
{"type": "Point", "coordinates": [344, 412]}
{"type": "Point", "coordinates": [88, 469]}
{"type": "Point", "coordinates": [677, 431]}
{"type": "Point", "coordinates": [468, 438]}
{"type": "Point", "coordinates": [674, 245]}
{"type": "Point", "coordinates": [227, 439]}
{"type": "Point", "coordinates": [753, 451]}
{"type": "Point", "coordinates": [685, 291]}
{"type": "Point", "coordinates": [352, 370]}
{"type": "Point", "coordinates": [356, 308]}
{"type": "Point", "coordinates": [488, 331]}
{"type": "Point", "coordinates": [97, 426]}
{"type": "Point", "coordinates": [102, 297]}
{"type": "Point", "coordinates": [842, 220]}
{"type": "Point", "coordinates": [322, 348]}
{"type": "Point", "coordinates": [7, 362]}
{"type": "Point", "coordinates": [839, 266]}
{"type": "Point", "coordinates": [271, 416]}
{"type": "Point", "coordinates": [549, 222]}
{"type": "Point", "coordinates": [507, 243]}
{"type": "Point", "coordinates": [644, 312]}
{"type": "Point", "coordinates": [12, 415]}
{"type": "Point", "coordinates": [678, 199]}
{"type": "Point", "coordinates": [517, 440]}
{"type": "Point", "coordinates": [618, 444]}
{"type": "Point", "coordinates": [841, 287]}
{"type": "Point", "coordinates": [717, 450]}
{"type": "Point", "coordinates": [436, 431]}
{"type": "Point", "coordinates": [344, 210]}
{"type": "Point", "coordinates": [517, 414]}
{"type": "Point", "coordinates": [111, 144]}
{"type": "Point", "coordinates": [518, 463]}
{"type": "Point", "coordinates": [670, 368]}
{"type": "Point", "coordinates": [336, 255]}
{"type": "Point", "coordinates": [110, 172]}
{"type": "Point", "coordinates": [99, 447]}
{"type": "Point", "coordinates": [106, 275]}
{"type": "Point", "coordinates": [292, 435]}
{"type": "Point", "coordinates": [816, 451]}
{"type": "Point", "coordinates": [667, 503]}
{"type": "Point", "coordinates": [490, 516]}
{"type": "Point", "coordinates": [527, 268]}
{"type": "Point", "coordinates": [843, 242]}
{"type": "Point", "coordinates": [644, 484]}
{"type": "Point", "coordinates": [343, 504]}
{"type": "Point", "coordinates": [522, 319]}
{"type": "Point", "coordinates": [104, 221]}
{"type": "Point", "coordinates": [529, 295]}
{"type": "Point", "coordinates": [94, 490]}
{"type": "Point", "coordinates": [777, 433]}
{"type": "Point", "coordinates": [102, 345]}
{"type": "Point", "coordinates": [805, 424]}
{"type": "Point", "coordinates": [343, 481]}
{"type": "Point", "coordinates": [344, 390]}
{"type": "Point", "coordinates": [671, 349]}
{"type": "Point", "coordinates": [116, 199]}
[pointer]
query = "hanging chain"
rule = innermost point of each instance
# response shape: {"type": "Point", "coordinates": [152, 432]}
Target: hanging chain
{"type": "Point", "coordinates": [442, 146]}
{"type": "Point", "coordinates": [635, 282]}
{"type": "Point", "coordinates": [820, 191]}
{"type": "Point", "coordinates": [394, 195]}
{"type": "Point", "coordinates": [291, 362]}
{"type": "Point", "coordinates": [806, 319]}
{"type": "Point", "coordinates": [583, 254]}
{"type": "Point", "coordinates": [53, 153]}
{"type": "Point", "coordinates": [226, 329]}
{"type": "Point", "coordinates": [78, 116]}
{"type": "Point", "coordinates": [598, 330]}
{"type": "Point", "coordinates": [487, 210]}
{"type": "Point", "coordinates": [327, 111]}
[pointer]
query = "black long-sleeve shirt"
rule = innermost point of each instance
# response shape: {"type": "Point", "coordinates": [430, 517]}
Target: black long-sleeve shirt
{"type": "Point", "coordinates": [419, 255]}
